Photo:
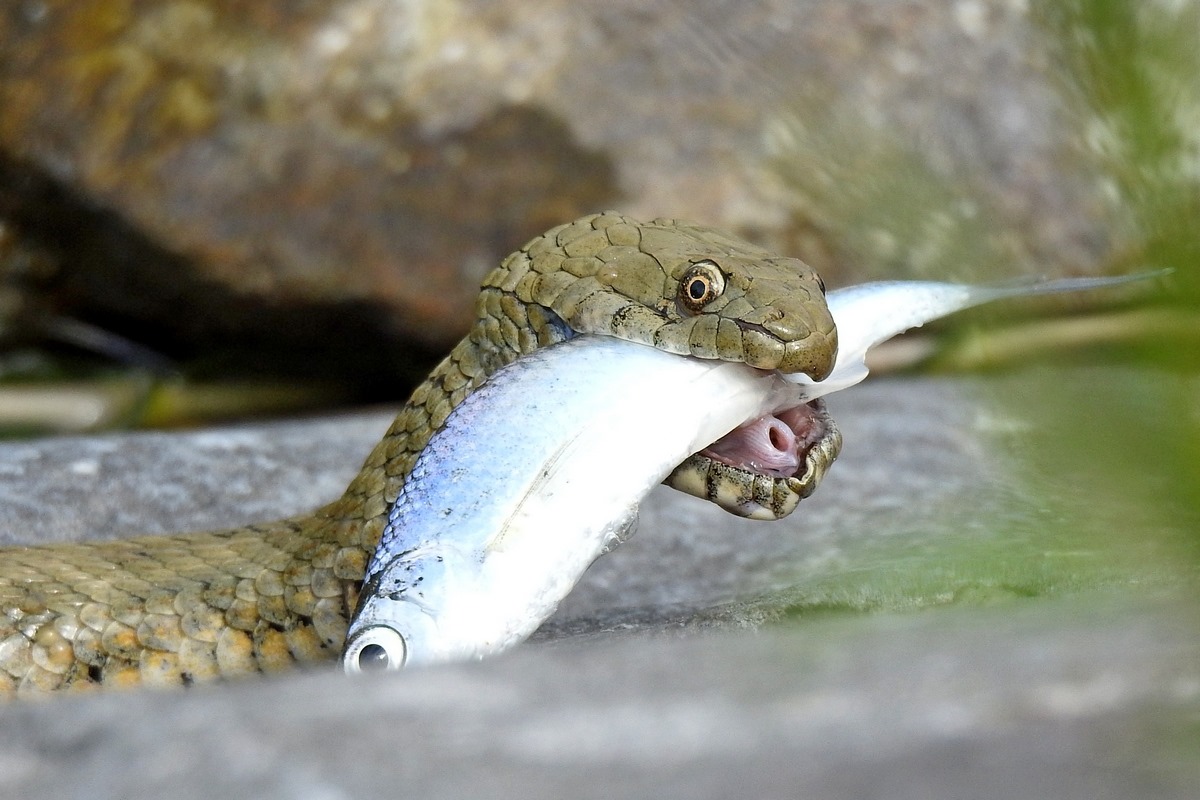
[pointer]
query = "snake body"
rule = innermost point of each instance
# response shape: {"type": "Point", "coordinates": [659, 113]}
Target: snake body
{"type": "Point", "coordinates": [178, 609]}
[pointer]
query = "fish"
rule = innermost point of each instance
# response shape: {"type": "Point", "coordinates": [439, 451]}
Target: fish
{"type": "Point", "coordinates": [541, 471]}
{"type": "Point", "coordinates": [531, 478]}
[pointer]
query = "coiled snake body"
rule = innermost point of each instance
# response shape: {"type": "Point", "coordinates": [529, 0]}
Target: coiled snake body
{"type": "Point", "coordinates": [187, 608]}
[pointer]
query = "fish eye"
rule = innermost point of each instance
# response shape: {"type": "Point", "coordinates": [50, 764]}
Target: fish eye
{"type": "Point", "coordinates": [374, 649]}
{"type": "Point", "coordinates": [700, 285]}
{"type": "Point", "coordinates": [372, 657]}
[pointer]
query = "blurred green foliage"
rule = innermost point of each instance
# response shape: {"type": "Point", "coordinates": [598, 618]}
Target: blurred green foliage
{"type": "Point", "coordinates": [1132, 74]}
{"type": "Point", "coordinates": [1107, 447]}
{"type": "Point", "coordinates": [1132, 71]}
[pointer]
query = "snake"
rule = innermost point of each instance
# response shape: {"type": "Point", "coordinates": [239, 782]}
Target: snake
{"type": "Point", "coordinates": [191, 608]}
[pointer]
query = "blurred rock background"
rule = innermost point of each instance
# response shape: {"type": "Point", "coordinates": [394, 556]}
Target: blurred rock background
{"type": "Point", "coordinates": [316, 189]}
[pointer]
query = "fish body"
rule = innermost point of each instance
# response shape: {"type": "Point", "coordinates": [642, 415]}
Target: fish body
{"type": "Point", "coordinates": [533, 477]}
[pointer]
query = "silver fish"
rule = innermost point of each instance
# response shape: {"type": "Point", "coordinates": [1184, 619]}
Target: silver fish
{"type": "Point", "coordinates": [541, 470]}
{"type": "Point", "coordinates": [531, 478]}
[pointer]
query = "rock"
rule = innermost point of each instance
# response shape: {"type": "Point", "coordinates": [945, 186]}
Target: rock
{"type": "Point", "coordinates": [980, 703]}
{"type": "Point", "coordinates": [341, 176]}
{"type": "Point", "coordinates": [81, 487]}
{"type": "Point", "coordinates": [707, 657]}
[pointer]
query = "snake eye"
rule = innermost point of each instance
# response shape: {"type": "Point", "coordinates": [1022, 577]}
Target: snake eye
{"type": "Point", "coordinates": [700, 285]}
{"type": "Point", "coordinates": [821, 283]}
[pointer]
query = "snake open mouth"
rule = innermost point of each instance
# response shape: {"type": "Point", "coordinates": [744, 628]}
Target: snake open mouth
{"type": "Point", "coordinates": [764, 468]}
{"type": "Point", "coordinates": [775, 444]}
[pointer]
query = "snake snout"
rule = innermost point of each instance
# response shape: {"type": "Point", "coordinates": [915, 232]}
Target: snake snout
{"type": "Point", "coordinates": [813, 355]}
{"type": "Point", "coordinates": [802, 334]}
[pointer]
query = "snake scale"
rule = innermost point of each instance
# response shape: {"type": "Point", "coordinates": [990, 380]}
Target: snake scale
{"type": "Point", "coordinates": [171, 610]}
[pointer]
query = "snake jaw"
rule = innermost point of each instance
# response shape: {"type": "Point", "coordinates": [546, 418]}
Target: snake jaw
{"type": "Point", "coordinates": [763, 469]}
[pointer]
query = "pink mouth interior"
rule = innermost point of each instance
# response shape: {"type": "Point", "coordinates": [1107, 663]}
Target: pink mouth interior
{"type": "Point", "coordinates": [773, 445]}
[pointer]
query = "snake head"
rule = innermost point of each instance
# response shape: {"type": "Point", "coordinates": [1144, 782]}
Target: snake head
{"type": "Point", "coordinates": [682, 288]}
{"type": "Point", "coordinates": [767, 312]}
{"type": "Point", "coordinates": [690, 290]}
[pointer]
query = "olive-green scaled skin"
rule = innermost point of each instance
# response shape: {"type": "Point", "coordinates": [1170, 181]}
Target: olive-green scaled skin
{"type": "Point", "coordinates": [181, 609]}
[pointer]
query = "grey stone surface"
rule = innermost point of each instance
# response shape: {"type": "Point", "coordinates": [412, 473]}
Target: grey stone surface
{"type": "Point", "coordinates": [77, 487]}
{"type": "Point", "coordinates": [692, 662]}
{"type": "Point", "coordinates": [964, 704]}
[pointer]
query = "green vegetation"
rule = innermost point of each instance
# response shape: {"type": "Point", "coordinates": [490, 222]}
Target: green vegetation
{"type": "Point", "coordinates": [1109, 457]}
